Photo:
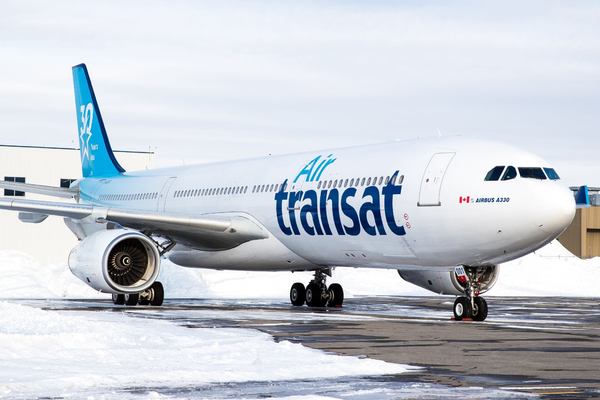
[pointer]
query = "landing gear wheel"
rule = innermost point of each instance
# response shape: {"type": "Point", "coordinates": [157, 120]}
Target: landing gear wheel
{"type": "Point", "coordinates": [462, 308]}
{"type": "Point", "coordinates": [298, 294]}
{"type": "Point", "coordinates": [118, 299]}
{"type": "Point", "coordinates": [132, 299]}
{"type": "Point", "coordinates": [157, 294]}
{"type": "Point", "coordinates": [480, 311]}
{"type": "Point", "coordinates": [336, 295]}
{"type": "Point", "coordinates": [144, 302]}
{"type": "Point", "coordinates": [313, 295]}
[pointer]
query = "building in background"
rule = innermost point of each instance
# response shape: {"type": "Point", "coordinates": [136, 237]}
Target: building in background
{"type": "Point", "coordinates": [582, 237]}
{"type": "Point", "coordinates": [49, 241]}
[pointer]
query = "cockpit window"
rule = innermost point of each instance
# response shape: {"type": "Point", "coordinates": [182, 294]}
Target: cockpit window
{"type": "Point", "coordinates": [494, 173]}
{"type": "Point", "coordinates": [534, 173]}
{"type": "Point", "coordinates": [510, 173]}
{"type": "Point", "coordinates": [552, 174]}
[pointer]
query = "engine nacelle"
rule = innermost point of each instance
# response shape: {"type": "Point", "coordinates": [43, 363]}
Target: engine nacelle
{"type": "Point", "coordinates": [116, 261]}
{"type": "Point", "coordinates": [448, 282]}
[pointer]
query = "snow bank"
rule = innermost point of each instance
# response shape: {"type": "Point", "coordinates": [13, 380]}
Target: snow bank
{"type": "Point", "coordinates": [52, 354]}
{"type": "Point", "coordinates": [551, 271]}
{"type": "Point", "coordinates": [22, 276]}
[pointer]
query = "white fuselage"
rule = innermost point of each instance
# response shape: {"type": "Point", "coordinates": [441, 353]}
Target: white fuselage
{"type": "Point", "coordinates": [401, 205]}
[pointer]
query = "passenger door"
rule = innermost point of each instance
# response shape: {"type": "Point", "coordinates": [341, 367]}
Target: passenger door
{"type": "Point", "coordinates": [431, 184]}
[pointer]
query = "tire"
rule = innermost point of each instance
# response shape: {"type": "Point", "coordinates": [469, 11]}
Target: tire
{"type": "Point", "coordinates": [480, 311]}
{"type": "Point", "coordinates": [132, 299]}
{"type": "Point", "coordinates": [144, 302]}
{"type": "Point", "coordinates": [313, 295]}
{"type": "Point", "coordinates": [118, 299]}
{"type": "Point", "coordinates": [462, 308]}
{"type": "Point", "coordinates": [337, 295]}
{"type": "Point", "coordinates": [158, 295]}
{"type": "Point", "coordinates": [298, 294]}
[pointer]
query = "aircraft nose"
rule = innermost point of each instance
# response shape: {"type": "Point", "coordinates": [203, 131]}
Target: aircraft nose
{"type": "Point", "coordinates": [559, 212]}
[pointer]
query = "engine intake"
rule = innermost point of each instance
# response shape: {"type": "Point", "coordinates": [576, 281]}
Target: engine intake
{"type": "Point", "coordinates": [116, 261]}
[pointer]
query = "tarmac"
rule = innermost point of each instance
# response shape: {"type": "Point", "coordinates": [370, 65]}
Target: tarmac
{"type": "Point", "coordinates": [531, 346]}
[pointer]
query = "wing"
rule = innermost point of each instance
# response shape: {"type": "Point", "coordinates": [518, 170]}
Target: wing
{"type": "Point", "coordinates": [68, 193]}
{"type": "Point", "coordinates": [219, 231]}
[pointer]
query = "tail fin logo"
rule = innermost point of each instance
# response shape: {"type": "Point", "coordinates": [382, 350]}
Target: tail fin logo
{"type": "Point", "coordinates": [85, 132]}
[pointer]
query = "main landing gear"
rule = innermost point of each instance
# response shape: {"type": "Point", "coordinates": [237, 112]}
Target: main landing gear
{"type": "Point", "coordinates": [153, 296]}
{"type": "Point", "coordinates": [470, 306]}
{"type": "Point", "coordinates": [316, 293]}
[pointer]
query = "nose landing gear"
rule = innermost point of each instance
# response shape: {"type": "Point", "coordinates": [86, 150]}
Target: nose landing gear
{"type": "Point", "coordinates": [316, 293]}
{"type": "Point", "coordinates": [472, 305]}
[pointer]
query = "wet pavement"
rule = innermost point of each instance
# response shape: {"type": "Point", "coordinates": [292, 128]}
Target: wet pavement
{"type": "Point", "coordinates": [528, 347]}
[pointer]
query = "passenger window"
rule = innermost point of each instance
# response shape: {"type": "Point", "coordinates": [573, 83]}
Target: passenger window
{"type": "Point", "coordinates": [533, 173]}
{"type": "Point", "coordinates": [510, 173]}
{"type": "Point", "coordinates": [552, 174]}
{"type": "Point", "coordinates": [495, 173]}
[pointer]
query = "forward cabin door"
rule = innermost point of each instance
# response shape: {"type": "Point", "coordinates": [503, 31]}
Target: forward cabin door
{"type": "Point", "coordinates": [431, 184]}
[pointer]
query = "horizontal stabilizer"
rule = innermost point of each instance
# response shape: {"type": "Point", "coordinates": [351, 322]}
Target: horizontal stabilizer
{"type": "Point", "coordinates": [67, 193]}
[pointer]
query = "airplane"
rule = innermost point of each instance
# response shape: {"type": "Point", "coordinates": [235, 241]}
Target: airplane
{"type": "Point", "coordinates": [443, 212]}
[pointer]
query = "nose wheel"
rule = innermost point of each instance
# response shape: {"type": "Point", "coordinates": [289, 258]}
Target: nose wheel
{"type": "Point", "coordinates": [316, 293]}
{"type": "Point", "coordinates": [464, 309]}
{"type": "Point", "coordinates": [472, 305]}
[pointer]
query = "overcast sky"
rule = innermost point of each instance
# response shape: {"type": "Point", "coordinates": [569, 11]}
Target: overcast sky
{"type": "Point", "coordinates": [206, 81]}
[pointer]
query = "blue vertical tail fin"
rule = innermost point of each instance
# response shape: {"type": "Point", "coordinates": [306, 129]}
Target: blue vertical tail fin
{"type": "Point", "coordinates": [97, 158]}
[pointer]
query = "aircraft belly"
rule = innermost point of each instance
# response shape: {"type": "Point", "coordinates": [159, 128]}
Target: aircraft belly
{"type": "Point", "coordinates": [355, 251]}
{"type": "Point", "coordinates": [259, 255]}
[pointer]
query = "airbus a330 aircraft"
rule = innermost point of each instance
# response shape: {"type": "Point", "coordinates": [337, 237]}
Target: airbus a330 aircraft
{"type": "Point", "coordinates": [444, 212]}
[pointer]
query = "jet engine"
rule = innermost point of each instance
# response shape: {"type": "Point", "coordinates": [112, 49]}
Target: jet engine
{"type": "Point", "coordinates": [449, 282]}
{"type": "Point", "coordinates": [116, 261]}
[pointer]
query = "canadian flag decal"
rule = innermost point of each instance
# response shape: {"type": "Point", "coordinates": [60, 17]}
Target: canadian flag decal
{"type": "Point", "coordinates": [465, 199]}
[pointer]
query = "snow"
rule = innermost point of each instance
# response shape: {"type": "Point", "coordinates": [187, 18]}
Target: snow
{"type": "Point", "coordinates": [551, 271]}
{"type": "Point", "coordinates": [53, 353]}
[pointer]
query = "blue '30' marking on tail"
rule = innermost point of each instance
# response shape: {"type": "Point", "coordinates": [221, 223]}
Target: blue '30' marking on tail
{"type": "Point", "coordinates": [97, 158]}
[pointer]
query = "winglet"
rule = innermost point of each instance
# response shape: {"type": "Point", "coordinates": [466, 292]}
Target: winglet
{"type": "Point", "coordinates": [97, 158]}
